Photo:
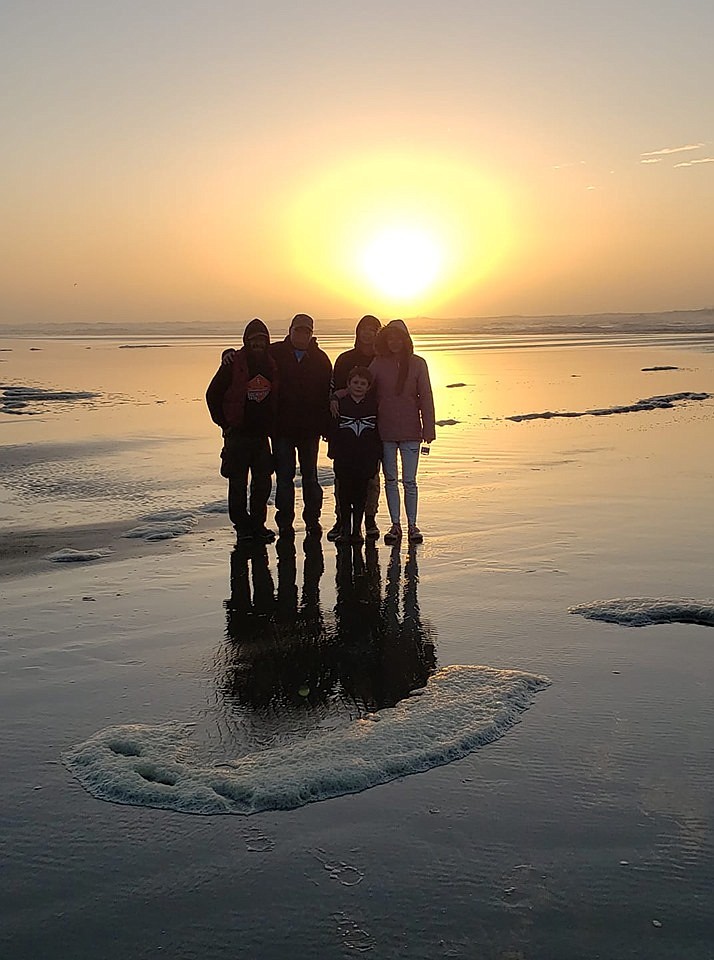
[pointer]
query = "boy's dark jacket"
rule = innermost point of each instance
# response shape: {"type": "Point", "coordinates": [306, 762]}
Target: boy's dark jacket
{"type": "Point", "coordinates": [355, 445]}
{"type": "Point", "coordinates": [304, 397]}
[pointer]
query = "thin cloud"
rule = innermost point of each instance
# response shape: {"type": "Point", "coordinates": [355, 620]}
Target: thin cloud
{"type": "Point", "coordinates": [690, 163]}
{"type": "Point", "coordinates": [562, 166]}
{"type": "Point", "coordinates": [666, 150]}
{"type": "Point", "coordinates": [652, 160]}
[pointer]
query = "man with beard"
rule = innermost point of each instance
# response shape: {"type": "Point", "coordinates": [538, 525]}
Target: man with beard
{"type": "Point", "coordinates": [303, 417]}
{"type": "Point", "coordinates": [242, 399]}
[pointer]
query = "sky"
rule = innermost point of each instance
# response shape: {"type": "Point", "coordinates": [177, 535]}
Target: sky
{"type": "Point", "coordinates": [206, 161]}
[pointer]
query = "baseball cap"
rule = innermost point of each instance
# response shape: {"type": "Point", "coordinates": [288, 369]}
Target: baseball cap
{"type": "Point", "coordinates": [302, 320]}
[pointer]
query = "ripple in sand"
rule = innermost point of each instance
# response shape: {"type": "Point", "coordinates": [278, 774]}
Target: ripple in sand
{"type": "Point", "coordinates": [649, 403]}
{"type": "Point", "coordinates": [645, 611]}
{"type": "Point", "coordinates": [463, 708]}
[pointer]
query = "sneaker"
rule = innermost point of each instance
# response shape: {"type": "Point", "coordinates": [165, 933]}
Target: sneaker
{"type": "Point", "coordinates": [357, 538]}
{"type": "Point", "coordinates": [371, 529]}
{"type": "Point", "coordinates": [243, 534]}
{"type": "Point", "coordinates": [313, 529]}
{"type": "Point", "coordinates": [415, 534]}
{"type": "Point", "coordinates": [264, 534]}
{"type": "Point", "coordinates": [334, 532]}
{"type": "Point", "coordinates": [394, 534]}
{"type": "Point", "coordinates": [344, 535]}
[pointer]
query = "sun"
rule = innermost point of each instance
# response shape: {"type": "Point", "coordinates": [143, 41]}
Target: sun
{"type": "Point", "coordinates": [391, 232]}
{"type": "Point", "coordinates": [402, 262]}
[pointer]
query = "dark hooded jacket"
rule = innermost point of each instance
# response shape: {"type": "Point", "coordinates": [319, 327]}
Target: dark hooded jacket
{"type": "Point", "coordinates": [304, 397]}
{"type": "Point", "coordinates": [350, 359]}
{"type": "Point", "coordinates": [355, 445]}
{"type": "Point", "coordinates": [243, 395]}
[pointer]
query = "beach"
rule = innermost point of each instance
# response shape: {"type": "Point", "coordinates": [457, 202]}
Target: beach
{"type": "Point", "coordinates": [579, 824]}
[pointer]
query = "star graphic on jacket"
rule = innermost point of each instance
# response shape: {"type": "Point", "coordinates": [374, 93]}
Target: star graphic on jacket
{"type": "Point", "coordinates": [358, 424]}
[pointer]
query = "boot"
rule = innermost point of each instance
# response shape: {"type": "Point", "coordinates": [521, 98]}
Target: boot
{"type": "Point", "coordinates": [370, 527]}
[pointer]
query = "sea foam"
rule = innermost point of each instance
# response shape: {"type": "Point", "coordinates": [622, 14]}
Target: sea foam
{"type": "Point", "coordinates": [461, 709]}
{"type": "Point", "coordinates": [68, 555]}
{"type": "Point", "coordinates": [649, 403]}
{"type": "Point", "coordinates": [645, 611]}
{"type": "Point", "coordinates": [163, 525]}
{"type": "Point", "coordinates": [17, 399]}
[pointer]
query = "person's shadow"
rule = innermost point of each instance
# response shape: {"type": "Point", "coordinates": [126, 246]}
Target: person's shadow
{"type": "Point", "coordinates": [287, 666]}
{"type": "Point", "coordinates": [277, 656]}
{"type": "Point", "coordinates": [386, 649]}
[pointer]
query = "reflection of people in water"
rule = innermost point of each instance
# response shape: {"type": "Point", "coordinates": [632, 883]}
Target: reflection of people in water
{"type": "Point", "coordinates": [245, 605]}
{"type": "Point", "coordinates": [278, 650]}
{"type": "Point", "coordinates": [385, 651]}
{"type": "Point", "coordinates": [288, 660]}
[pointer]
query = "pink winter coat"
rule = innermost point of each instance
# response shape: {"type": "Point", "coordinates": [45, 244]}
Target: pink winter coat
{"type": "Point", "coordinates": [409, 415]}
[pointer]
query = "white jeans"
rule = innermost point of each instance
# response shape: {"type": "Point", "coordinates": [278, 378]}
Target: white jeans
{"type": "Point", "coordinates": [409, 454]}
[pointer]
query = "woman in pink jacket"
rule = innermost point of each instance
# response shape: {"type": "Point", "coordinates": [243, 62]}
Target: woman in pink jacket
{"type": "Point", "coordinates": [405, 419]}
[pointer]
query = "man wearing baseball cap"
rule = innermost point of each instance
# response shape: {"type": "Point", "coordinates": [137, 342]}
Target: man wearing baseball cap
{"type": "Point", "coordinates": [303, 416]}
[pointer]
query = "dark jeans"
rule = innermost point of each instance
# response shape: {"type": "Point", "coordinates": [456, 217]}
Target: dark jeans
{"type": "Point", "coordinates": [242, 455]}
{"type": "Point", "coordinates": [284, 453]}
{"type": "Point", "coordinates": [371, 503]}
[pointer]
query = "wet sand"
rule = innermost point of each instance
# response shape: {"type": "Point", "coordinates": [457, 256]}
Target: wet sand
{"type": "Point", "coordinates": [25, 552]}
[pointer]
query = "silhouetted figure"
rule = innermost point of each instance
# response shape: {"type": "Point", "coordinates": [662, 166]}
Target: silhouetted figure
{"type": "Point", "coordinates": [361, 355]}
{"type": "Point", "coordinates": [356, 450]}
{"type": "Point", "coordinates": [302, 418]}
{"type": "Point", "coordinates": [405, 417]}
{"type": "Point", "coordinates": [243, 400]}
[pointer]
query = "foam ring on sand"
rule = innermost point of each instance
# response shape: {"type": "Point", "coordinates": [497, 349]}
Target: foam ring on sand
{"type": "Point", "coordinates": [645, 611]}
{"type": "Point", "coordinates": [463, 708]}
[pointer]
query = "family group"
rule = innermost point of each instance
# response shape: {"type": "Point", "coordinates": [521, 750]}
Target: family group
{"type": "Point", "coordinates": [274, 402]}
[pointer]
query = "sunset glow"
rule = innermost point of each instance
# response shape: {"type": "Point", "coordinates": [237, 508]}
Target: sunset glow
{"type": "Point", "coordinates": [402, 262]}
{"type": "Point", "coordinates": [206, 165]}
{"type": "Point", "coordinates": [399, 233]}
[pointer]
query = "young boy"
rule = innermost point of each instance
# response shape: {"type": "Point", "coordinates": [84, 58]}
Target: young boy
{"type": "Point", "coordinates": [356, 448]}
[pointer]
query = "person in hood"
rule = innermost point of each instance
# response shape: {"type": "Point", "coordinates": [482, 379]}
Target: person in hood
{"type": "Point", "coordinates": [361, 355]}
{"type": "Point", "coordinates": [405, 418]}
{"type": "Point", "coordinates": [302, 418]}
{"type": "Point", "coordinates": [242, 399]}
